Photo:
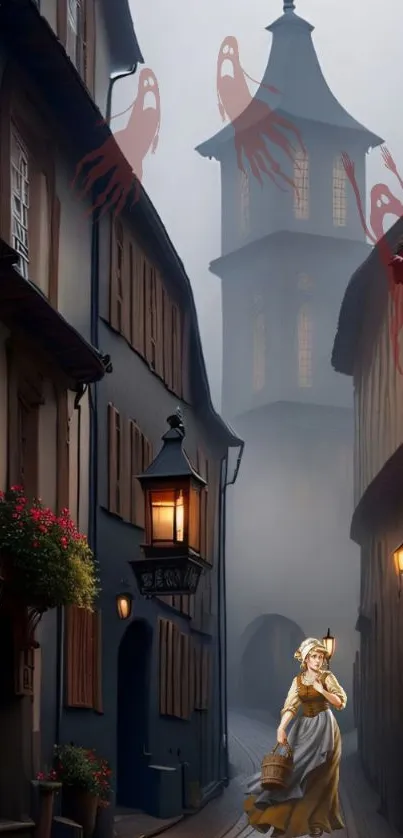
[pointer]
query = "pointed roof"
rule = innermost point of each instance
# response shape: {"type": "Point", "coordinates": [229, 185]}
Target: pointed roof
{"type": "Point", "coordinates": [293, 69]}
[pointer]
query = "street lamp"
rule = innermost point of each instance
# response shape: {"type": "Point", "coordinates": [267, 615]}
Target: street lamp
{"type": "Point", "coordinates": [398, 557]}
{"type": "Point", "coordinates": [124, 603]}
{"type": "Point", "coordinates": [329, 644]}
{"type": "Point", "coordinates": [171, 561]}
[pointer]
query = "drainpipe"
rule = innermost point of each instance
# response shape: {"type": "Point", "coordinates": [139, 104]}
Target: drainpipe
{"type": "Point", "coordinates": [222, 598]}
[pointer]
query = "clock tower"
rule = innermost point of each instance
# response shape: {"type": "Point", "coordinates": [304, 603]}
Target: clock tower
{"type": "Point", "coordinates": [287, 253]}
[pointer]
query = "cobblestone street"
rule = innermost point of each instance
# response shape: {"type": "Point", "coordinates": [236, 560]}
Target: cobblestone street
{"type": "Point", "coordinates": [250, 739]}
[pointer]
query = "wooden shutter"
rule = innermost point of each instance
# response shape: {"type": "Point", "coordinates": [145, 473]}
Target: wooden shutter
{"type": "Point", "coordinates": [202, 468]}
{"type": "Point", "coordinates": [136, 467]}
{"type": "Point", "coordinates": [89, 44]}
{"type": "Point", "coordinates": [63, 457]}
{"type": "Point", "coordinates": [137, 299]}
{"type": "Point", "coordinates": [198, 670]}
{"type": "Point", "coordinates": [159, 335]}
{"type": "Point", "coordinates": [125, 470]}
{"type": "Point", "coordinates": [170, 679]}
{"type": "Point", "coordinates": [54, 251]}
{"type": "Point", "coordinates": [97, 691]}
{"type": "Point", "coordinates": [126, 280]}
{"type": "Point", "coordinates": [62, 21]}
{"type": "Point", "coordinates": [177, 672]}
{"type": "Point", "coordinates": [116, 276]}
{"type": "Point", "coordinates": [167, 329]}
{"type": "Point", "coordinates": [163, 654]}
{"type": "Point", "coordinates": [149, 296]}
{"type": "Point", "coordinates": [205, 678]}
{"type": "Point", "coordinates": [185, 676]}
{"type": "Point", "coordinates": [177, 350]}
{"type": "Point", "coordinates": [192, 675]}
{"type": "Point", "coordinates": [79, 657]}
{"type": "Point", "coordinates": [113, 476]}
{"type": "Point", "coordinates": [186, 360]}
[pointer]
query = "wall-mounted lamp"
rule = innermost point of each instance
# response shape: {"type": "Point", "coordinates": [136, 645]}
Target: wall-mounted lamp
{"type": "Point", "coordinates": [124, 602]}
{"type": "Point", "coordinates": [398, 559]}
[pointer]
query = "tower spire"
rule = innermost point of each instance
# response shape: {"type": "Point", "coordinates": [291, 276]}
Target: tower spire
{"type": "Point", "coordinates": [289, 6]}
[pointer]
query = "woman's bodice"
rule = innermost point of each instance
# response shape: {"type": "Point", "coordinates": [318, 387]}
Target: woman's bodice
{"type": "Point", "coordinates": [311, 702]}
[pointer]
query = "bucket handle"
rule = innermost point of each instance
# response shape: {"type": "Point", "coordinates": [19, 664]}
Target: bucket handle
{"type": "Point", "coordinates": [286, 747]}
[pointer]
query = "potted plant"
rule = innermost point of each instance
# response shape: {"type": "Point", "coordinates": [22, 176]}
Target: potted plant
{"type": "Point", "coordinates": [47, 784]}
{"type": "Point", "coordinates": [86, 784]}
{"type": "Point", "coordinates": [45, 561]}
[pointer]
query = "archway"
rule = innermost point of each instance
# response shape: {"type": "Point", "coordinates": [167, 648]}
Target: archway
{"type": "Point", "coordinates": [133, 706]}
{"type": "Point", "coordinates": [267, 664]}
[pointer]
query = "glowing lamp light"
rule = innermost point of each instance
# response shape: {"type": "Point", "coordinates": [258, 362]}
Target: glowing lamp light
{"type": "Point", "coordinates": [124, 604]}
{"type": "Point", "coordinates": [171, 562]}
{"type": "Point", "coordinates": [398, 559]}
{"type": "Point", "coordinates": [329, 643]}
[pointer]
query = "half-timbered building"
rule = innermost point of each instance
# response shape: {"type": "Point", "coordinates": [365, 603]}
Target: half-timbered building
{"type": "Point", "coordinates": [366, 349]}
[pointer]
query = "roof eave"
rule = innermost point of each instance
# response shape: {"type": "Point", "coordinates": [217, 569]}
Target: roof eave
{"type": "Point", "coordinates": [124, 44]}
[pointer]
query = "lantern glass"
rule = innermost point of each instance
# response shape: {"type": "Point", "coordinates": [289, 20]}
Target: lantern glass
{"type": "Point", "coordinates": [329, 644]}
{"type": "Point", "coordinates": [167, 516]}
{"type": "Point", "coordinates": [124, 606]}
{"type": "Point", "coordinates": [398, 557]}
{"type": "Point", "coordinates": [194, 519]}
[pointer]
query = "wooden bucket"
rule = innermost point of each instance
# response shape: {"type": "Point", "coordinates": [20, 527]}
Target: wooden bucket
{"type": "Point", "coordinates": [277, 769]}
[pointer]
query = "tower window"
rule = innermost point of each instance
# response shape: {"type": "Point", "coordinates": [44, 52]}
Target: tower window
{"type": "Point", "coordinates": [259, 346]}
{"type": "Point", "coordinates": [244, 203]}
{"type": "Point", "coordinates": [301, 183]}
{"type": "Point", "coordinates": [305, 347]}
{"type": "Point", "coordinates": [339, 193]}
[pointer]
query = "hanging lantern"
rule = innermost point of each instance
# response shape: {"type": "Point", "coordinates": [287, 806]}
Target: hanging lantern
{"type": "Point", "coordinates": [329, 643]}
{"type": "Point", "coordinates": [171, 561]}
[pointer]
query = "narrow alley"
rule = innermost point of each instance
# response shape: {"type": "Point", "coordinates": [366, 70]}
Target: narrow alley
{"type": "Point", "coordinates": [250, 738]}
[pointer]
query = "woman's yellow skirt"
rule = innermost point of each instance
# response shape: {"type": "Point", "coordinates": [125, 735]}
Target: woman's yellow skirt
{"type": "Point", "coordinates": [318, 809]}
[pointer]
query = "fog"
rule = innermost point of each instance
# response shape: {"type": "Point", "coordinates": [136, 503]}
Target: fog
{"type": "Point", "coordinates": [292, 570]}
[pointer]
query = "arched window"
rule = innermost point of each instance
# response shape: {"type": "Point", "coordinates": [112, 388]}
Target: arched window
{"type": "Point", "coordinates": [304, 330]}
{"type": "Point", "coordinates": [339, 193]}
{"type": "Point", "coordinates": [244, 203]}
{"type": "Point", "coordinates": [301, 184]}
{"type": "Point", "coordinates": [259, 345]}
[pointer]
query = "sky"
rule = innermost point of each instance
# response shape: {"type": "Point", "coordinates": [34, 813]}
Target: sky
{"type": "Point", "coordinates": [359, 48]}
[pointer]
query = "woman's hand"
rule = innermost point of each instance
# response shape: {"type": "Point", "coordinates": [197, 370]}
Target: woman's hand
{"type": "Point", "coordinates": [318, 687]}
{"type": "Point", "coordinates": [281, 736]}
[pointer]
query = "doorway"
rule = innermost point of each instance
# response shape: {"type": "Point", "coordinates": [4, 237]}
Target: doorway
{"type": "Point", "coordinates": [267, 665]}
{"type": "Point", "coordinates": [134, 671]}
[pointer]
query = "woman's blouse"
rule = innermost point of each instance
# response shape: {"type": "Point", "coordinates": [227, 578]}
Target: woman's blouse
{"type": "Point", "coordinates": [331, 685]}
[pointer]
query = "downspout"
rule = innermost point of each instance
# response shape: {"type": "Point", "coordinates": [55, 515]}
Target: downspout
{"type": "Point", "coordinates": [222, 598]}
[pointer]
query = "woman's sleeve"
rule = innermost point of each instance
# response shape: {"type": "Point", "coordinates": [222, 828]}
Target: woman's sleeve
{"type": "Point", "coordinates": [292, 702]}
{"type": "Point", "coordinates": [332, 685]}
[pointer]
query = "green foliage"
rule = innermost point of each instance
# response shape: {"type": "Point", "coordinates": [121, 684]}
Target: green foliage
{"type": "Point", "coordinates": [51, 563]}
{"type": "Point", "coordinates": [82, 769]}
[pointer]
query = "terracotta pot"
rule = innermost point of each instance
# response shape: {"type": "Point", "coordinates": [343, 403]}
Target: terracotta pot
{"type": "Point", "coordinates": [80, 806]}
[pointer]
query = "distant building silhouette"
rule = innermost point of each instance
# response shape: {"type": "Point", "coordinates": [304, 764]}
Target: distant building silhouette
{"type": "Point", "coordinates": [285, 257]}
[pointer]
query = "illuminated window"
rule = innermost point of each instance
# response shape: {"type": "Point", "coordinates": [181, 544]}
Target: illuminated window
{"type": "Point", "coordinates": [339, 194]}
{"type": "Point", "coordinates": [244, 203]}
{"type": "Point", "coordinates": [304, 347]}
{"type": "Point", "coordinates": [301, 183]}
{"type": "Point", "coordinates": [259, 346]}
{"type": "Point", "coordinates": [305, 282]}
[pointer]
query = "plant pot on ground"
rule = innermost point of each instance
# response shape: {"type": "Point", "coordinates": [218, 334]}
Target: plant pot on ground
{"type": "Point", "coordinates": [86, 784]}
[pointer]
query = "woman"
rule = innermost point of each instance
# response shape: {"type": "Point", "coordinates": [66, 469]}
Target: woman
{"type": "Point", "coordinates": [310, 804]}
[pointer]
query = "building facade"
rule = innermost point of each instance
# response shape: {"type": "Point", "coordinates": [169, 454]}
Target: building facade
{"type": "Point", "coordinates": [363, 350]}
{"type": "Point", "coordinates": [149, 694]}
{"type": "Point", "coordinates": [286, 248]}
